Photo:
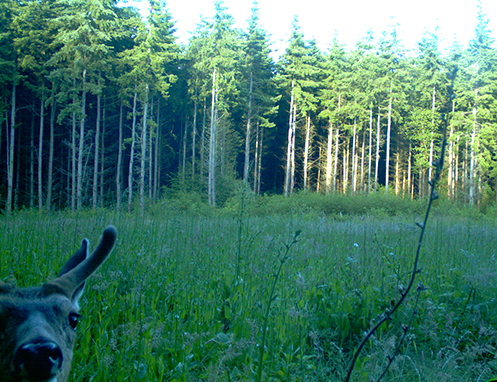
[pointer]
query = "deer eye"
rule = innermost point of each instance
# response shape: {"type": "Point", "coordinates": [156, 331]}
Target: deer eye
{"type": "Point", "coordinates": [73, 319]}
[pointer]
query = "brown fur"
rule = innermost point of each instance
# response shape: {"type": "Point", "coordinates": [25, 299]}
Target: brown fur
{"type": "Point", "coordinates": [45, 317]}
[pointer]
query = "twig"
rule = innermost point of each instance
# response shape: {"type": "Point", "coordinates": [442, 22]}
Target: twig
{"type": "Point", "coordinates": [387, 315]}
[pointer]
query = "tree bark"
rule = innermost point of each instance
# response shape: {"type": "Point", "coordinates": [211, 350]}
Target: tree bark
{"type": "Point", "coordinates": [40, 152]}
{"type": "Point", "coordinates": [247, 136]}
{"type": "Point", "coordinates": [79, 185]}
{"type": "Point", "coordinates": [370, 148]}
{"type": "Point", "coordinates": [194, 135]}
{"type": "Point", "coordinates": [51, 151]}
{"type": "Point", "coordinates": [119, 169]}
{"type": "Point", "coordinates": [377, 163]}
{"type": "Point", "coordinates": [143, 156]}
{"type": "Point", "coordinates": [212, 146]}
{"type": "Point", "coordinates": [11, 149]}
{"type": "Point", "coordinates": [96, 158]}
{"type": "Point", "coordinates": [289, 146]}
{"type": "Point", "coordinates": [132, 155]}
{"type": "Point", "coordinates": [389, 127]}
{"type": "Point", "coordinates": [329, 158]}
{"type": "Point", "coordinates": [306, 152]}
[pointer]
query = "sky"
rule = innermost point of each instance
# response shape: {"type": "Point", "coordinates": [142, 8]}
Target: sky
{"type": "Point", "coordinates": [347, 20]}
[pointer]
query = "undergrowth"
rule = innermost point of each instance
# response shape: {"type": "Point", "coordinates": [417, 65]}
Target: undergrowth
{"type": "Point", "coordinates": [183, 296]}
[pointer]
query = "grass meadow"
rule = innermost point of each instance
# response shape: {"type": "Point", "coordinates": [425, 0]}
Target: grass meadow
{"type": "Point", "coordinates": [184, 296]}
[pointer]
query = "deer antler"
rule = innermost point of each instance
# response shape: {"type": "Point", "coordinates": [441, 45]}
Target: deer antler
{"type": "Point", "coordinates": [69, 282]}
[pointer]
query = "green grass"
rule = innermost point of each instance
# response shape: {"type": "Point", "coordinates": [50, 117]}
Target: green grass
{"type": "Point", "coordinates": [183, 296]}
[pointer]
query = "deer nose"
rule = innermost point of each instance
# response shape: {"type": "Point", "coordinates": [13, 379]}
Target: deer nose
{"type": "Point", "coordinates": [38, 361]}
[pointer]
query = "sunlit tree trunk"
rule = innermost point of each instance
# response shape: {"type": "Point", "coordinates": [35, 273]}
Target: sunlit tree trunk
{"type": "Point", "coordinates": [248, 133]}
{"type": "Point", "coordinates": [96, 158]}
{"type": "Point", "coordinates": [430, 165]}
{"type": "Point", "coordinates": [73, 153]}
{"type": "Point", "coordinates": [143, 156]}
{"type": "Point", "coordinates": [377, 163]}
{"type": "Point", "coordinates": [150, 153]}
{"type": "Point", "coordinates": [329, 158]}
{"type": "Point", "coordinates": [370, 148]}
{"type": "Point", "coordinates": [102, 158]}
{"type": "Point", "coordinates": [157, 152]}
{"type": "Point", "coordinates": [363, 151]}
{"type": "Point", "coordinates": [31, 163]}
{"type": "Point", "coordinates": [194, 135]}
{"type": "Point", "coordinates": [409, 188]}
{"type": "Point", "coordinates": [389, 127]}
{"type": "Point", "coordinates": [335, 164]}
{"type": "Point", "coordinates": [354, 169]}
{"type": "Point", "coordinates": [183, 151]}
{"type": "Point", "coordinates": [472, 163]}
{"type": "Point", "coordinates": [11, 149]}
{"type": "Point", "coordinates": [212, 146]}
{"type": "Point", "coordinates": [289, 146]}
{"type": "Point", "coordinates": [132, 155]}
{"type": "Point", "coordinates": [40, 152]}
{"type": "Point", "coordinates": [202, 142]}
{"type": "Point", "coordinates": [79, 185]}
{"type": "Point", "coordinates": [119, 165]}
{"type": "Point", "coordinates": [306, 152]}
{"type": "Point", "coordinates": [51, 152]}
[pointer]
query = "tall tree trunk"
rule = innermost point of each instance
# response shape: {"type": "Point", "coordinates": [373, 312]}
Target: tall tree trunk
{"type": "Point", "coordinates": [472, 162]}
{"type": "Point", "coordinates": [258, 154]}
{"type": "Point", "coordinates": [119, 169]}
{"type": "Point", "coordinates": [202, 142]}
{"type": "Point", "coordinates": [335, 162]}
{"type": "Point", "coordinates": [306, 151]}
{"type": "Point", "coordinates": [451, 176]}
{"type": "Point", "coordinates": [289, 146]}
{"type": "Point", "coordinates": [397, 174]}
{"type": "Point", "coordinates": [377, 163]}
{"type": "Point", "coordinates": [102, 156]}
{"type": "Point", "coordinates": [183, 153]}
{"type": "Point", "coordinates": [430, 165]}
{"type": "Point", "coordinates": [31, 163]}
{"type": "Point", "coordinates": [212, 146]}
{"type": "Point", "coordinates": [354, 169]}
{"type": "Point", "coordinates": [11, 149]}
{"type": "Point", "coordinates": [363, 150]}
{"type": "Point", "coordinates": [51, 150]}
{"type": "Point", "coordinates": [247, 136]}
{"type": "Point", "coordinates": [150, 153]}
{"type": "Point", "coordinates": [409, 188]}
{"type": "Point", "coordinates": [329, 159]}
{"type": "Point", "coordinates": [132, 155]}
{"type": "Point", "coordinates": [389, 127]}
{"type": "Point", "coordinates": [156, 152]}
{"type": "Point", "coordinates": [292, 159]}
{"type": "Point", "coordinates": [370, 147]}
{"type": "Point", "coordinates": [194, 135]}
{"type": "Point", "coordinates": [79, 185]}
{"type": "Point", "coordinates": [40, 152]}
{"type": "Point", "coordinates": [143, 156]}
{"type": "Point", "coordinates": [259, 164]}
{"type": "Point", "coordinates": [96, 157]}
{"type": "Point", "coordinates": [73, 152]}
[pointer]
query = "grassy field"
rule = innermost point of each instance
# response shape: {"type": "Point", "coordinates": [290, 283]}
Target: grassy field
{"type": "Point", "coordinates": [184, 297]}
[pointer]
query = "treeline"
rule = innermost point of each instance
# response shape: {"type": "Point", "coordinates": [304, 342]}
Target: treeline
{"type": "Point", "coordinates": [101, 108]}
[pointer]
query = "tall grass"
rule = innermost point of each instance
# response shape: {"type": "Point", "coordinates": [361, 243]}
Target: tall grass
{"type": "Point", "coordinates": [167, 305]}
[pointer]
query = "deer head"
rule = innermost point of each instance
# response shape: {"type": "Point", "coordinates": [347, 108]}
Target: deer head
{"type": "Point", "coordinates": [38, 325]}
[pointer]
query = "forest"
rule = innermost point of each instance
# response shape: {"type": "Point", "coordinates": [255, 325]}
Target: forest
{"type": "Point", "coordinates": [102, 108]}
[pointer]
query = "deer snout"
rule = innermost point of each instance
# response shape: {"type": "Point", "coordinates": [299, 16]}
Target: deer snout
{"type": "Point", "coordinates": [38, 362]}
